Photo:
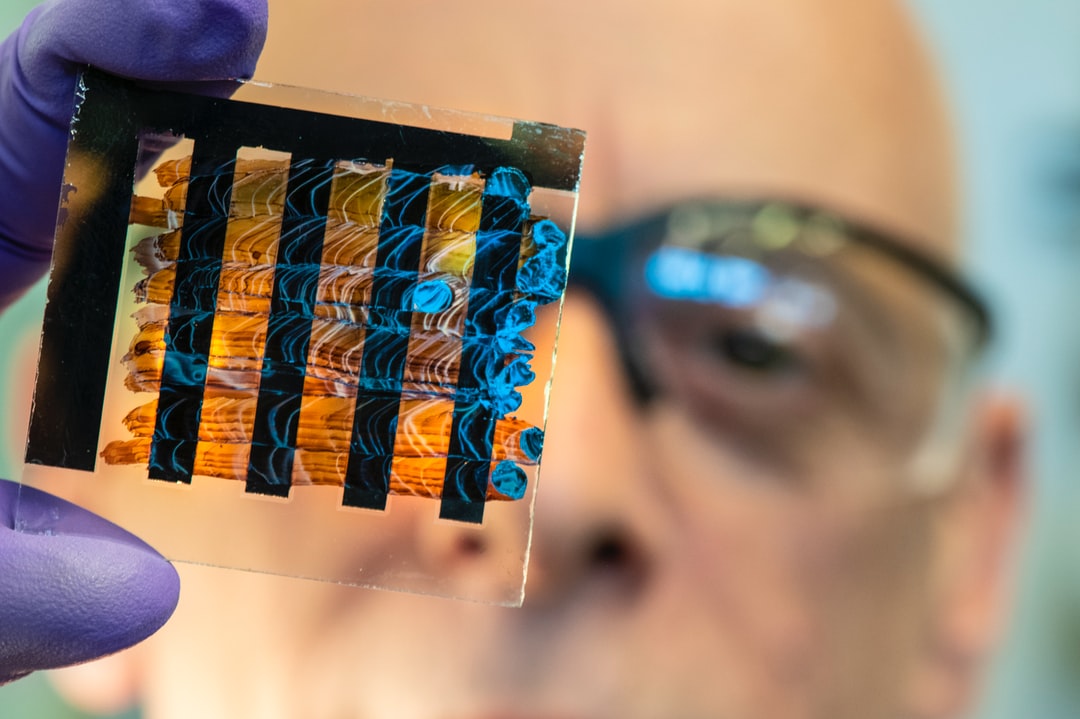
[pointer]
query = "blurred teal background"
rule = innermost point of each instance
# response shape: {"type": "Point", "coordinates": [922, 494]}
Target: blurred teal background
{"type": "Point", "coordinates": [1013, 71]}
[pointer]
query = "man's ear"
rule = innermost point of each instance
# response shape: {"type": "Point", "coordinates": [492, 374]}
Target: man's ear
{"type": "Point", "coordinates": [105, 686]}
{"type": "Point", "coordinates": [972, 579]}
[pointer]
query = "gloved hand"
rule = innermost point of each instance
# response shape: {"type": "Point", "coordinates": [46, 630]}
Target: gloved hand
{"type": "Point", "coordinates": [158, 40]}
{"type": "Point", "coordinates": [72, 585]}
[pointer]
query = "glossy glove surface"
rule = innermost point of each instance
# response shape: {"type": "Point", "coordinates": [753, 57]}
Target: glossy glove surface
{"type": "Point", "coordinates": [72, 585]}
{"type": "Point", "coordinates": [177, 41]}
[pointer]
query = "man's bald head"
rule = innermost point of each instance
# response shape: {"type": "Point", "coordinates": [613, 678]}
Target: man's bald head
{"type": "Point", "coordinates": [829, 102]}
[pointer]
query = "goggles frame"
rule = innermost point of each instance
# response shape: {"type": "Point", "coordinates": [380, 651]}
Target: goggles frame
{"type": "Point", "coordinates": [597, 259]}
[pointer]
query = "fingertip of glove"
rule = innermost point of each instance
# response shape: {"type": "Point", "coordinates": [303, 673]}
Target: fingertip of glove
{"type": "Point", "coordinates": [130, 592]}
{"type": "Point", "coordinates": [73, 586]}
{"type": "Point", "coordinates": [152, 40]}
{"type": "Point", "coordinates": [72, 599]}
{"type": "Point", "coordinates": [243, 25]}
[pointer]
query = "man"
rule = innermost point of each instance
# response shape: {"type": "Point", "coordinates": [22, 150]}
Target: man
{"type": "Point", "coordinates": [789, 508]}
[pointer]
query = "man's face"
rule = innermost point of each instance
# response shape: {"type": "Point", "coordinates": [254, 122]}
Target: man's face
{"type": "Point", "coordinates": [676, 569]}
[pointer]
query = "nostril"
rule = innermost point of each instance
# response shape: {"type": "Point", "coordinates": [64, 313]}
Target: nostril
{"type": "Point", "coordinates": [470, 545]}
{"type": "Point", "coordinates": [613, 557]}
{"type": "Point", "coordinates": [609, 552]}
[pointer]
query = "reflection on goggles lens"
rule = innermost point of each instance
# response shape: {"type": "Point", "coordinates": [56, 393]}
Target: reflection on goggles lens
{"type": "Point", "coordinates": [677, 273]}
{"type": "Point", "coordinates": [784, 332]}
{"type": "Point", "coordinates": [680, 273]}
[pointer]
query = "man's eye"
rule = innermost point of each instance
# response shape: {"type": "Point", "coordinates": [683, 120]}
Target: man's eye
{"type": "Point", "coordinates": [751, 350]}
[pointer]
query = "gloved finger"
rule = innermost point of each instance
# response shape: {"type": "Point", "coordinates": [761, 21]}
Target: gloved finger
{"type": "Point", "coordinates": [158, 40]}
{"type": "Point", "coordinates": [73, 586]}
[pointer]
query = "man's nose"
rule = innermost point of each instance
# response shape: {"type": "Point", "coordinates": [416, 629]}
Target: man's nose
{"type": "Point", "coordinates": [598, 516]}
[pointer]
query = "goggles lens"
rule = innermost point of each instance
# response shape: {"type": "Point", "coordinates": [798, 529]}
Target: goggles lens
{"type": "Point", "coordinates": [789, 333]}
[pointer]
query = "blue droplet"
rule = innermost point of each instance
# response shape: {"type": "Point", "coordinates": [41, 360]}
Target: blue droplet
{"type": "Point", "coordinates": [509, 479]}
{"type": "Point", "coordinates": [531, 442]}
{"type": "Point", "coordinates": [431, 296]}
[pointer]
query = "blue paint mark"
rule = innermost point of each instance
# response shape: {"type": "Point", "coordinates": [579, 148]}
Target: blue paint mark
{"type": "Point", "coordinates": [508, 182]}
{"type": "Point", "coordinates": [513, 343]}
{"type": "Point", "coordinates": [531, 443]}
{"type": "Point", "coordinates": [542, 276]}
{"type": "Point", "coordinates": [516, 373]}
{"type": "Point", "coordinates": [483, 393]}
{"type": "Point", "coordinates": [502, 402]}
{"type": "Point", "coordinates": [517, 317]}
{"type": "Point", "coordinates": [546, 233]}
{"type": "Point", "coordinates": [509, 479]}
{"type": "Point", "coordinates": [429, 296]}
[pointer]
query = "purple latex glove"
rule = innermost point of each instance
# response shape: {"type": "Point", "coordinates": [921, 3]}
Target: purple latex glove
{"type": "Point", "coordinates": [72, 585]}
{"type": "Point", "coordinates": [159, 40]}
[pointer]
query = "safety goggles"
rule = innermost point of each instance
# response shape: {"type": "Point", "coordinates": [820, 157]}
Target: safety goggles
{"type": "Point", "coordinates": [792, 334]}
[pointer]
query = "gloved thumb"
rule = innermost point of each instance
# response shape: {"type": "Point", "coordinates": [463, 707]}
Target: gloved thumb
{"type": "Point", "coordinates": [73, 587]}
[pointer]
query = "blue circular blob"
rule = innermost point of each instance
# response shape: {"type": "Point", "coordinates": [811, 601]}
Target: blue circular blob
{"type": "Point", "coordinates": [508, 182]}
{"type": "Point", "coordinates": [431, 296]}
{"type": "Point", "coordinates": [531, 442]}
{"type": "Point", "coordinates": [509, 479]}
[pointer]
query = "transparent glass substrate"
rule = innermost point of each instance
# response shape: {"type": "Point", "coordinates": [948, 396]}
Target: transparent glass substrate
{"type": "Point", "coordinates": [306, 334]}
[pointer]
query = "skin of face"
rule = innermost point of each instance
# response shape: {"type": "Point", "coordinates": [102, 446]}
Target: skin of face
{"type": "Point", "coordinates": [671, 575]}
